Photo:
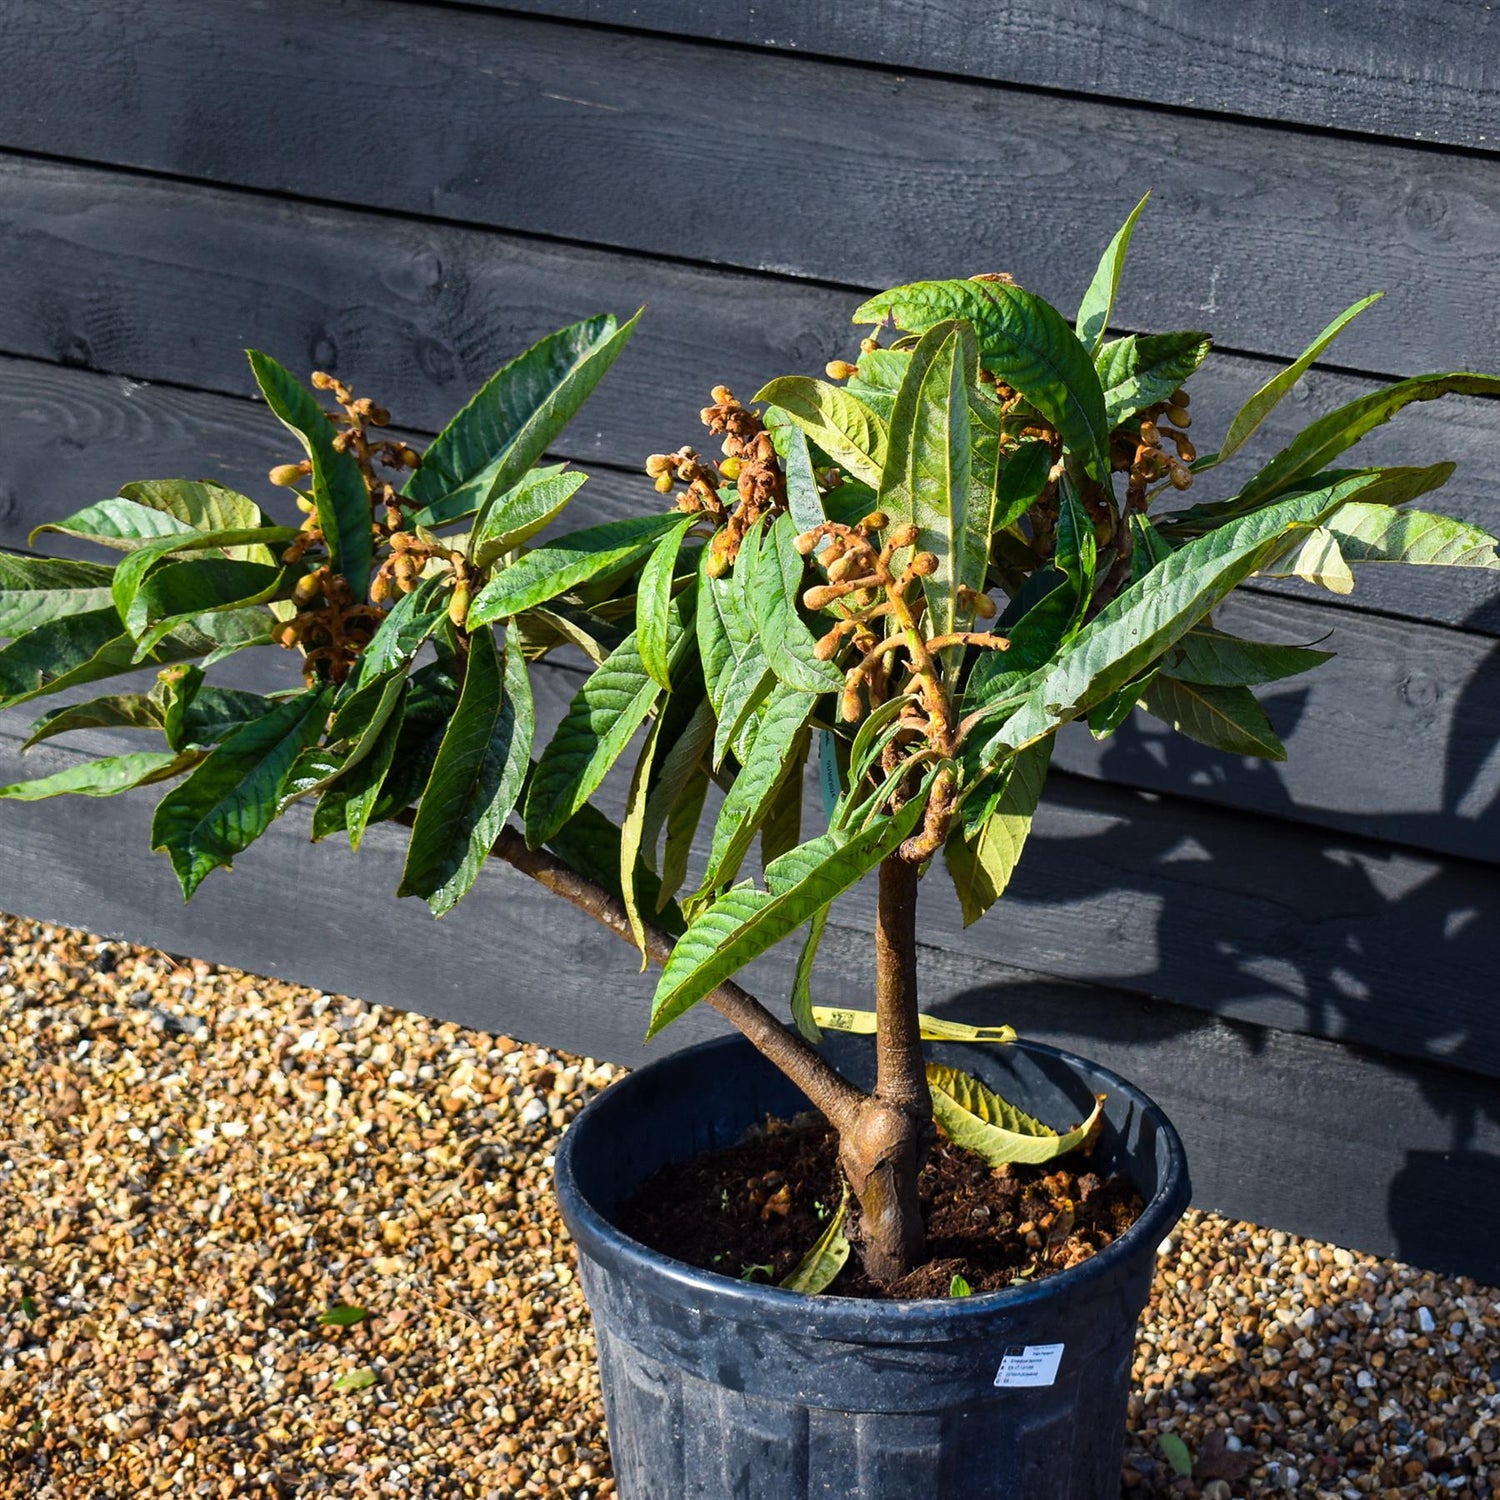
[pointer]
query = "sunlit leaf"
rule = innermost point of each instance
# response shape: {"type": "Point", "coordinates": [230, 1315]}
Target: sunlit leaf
{"type": "Point", "coordinates": [1098, 302]}
{"type": "Point", "coordinates": [978, 1119]}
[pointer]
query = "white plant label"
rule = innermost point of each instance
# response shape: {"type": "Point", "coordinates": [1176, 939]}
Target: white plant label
{"type": "Point", "coordinates": [1030, 1365]}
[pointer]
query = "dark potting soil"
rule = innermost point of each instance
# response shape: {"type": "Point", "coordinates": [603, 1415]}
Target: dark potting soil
{"type": "Point", "coordinates": [754, 1210]}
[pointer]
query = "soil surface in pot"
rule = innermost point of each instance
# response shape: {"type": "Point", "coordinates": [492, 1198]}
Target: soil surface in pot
{"type": "Point", "coordinates": [754, 1210]}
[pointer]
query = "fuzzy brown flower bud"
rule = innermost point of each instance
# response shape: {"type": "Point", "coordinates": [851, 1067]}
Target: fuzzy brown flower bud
{"type": "Point", "coordinates": [877, 520]}
{"type": "Point", "coordinates": [1178, 416]}
{"type": "Point", "coordinates": [924, 564]}
{"type": "Point", "coordinates": [323, 381]}
{"type": "Point", "coordinates": [903, 536]}
{"type": "Point", "coordinates": [820, 596]}
{"type": "Point", "coordinates": [839, 369]}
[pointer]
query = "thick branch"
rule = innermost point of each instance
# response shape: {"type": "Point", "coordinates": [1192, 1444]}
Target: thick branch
{"type": "Point", "coordinates": [838, 1099]}
{"type": "Point", "coordinates": [900, 1076]}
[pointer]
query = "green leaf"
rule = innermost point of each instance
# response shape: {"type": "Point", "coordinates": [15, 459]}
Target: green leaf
{"type": "Point", "coordinates": [62, 653]}
{"type": "Point", "coordinates": [410, 622]}
{"type": "Point", "coordinates": [801, 996]}
{"type": "Point", "coordinates": [120, 711]}
{"type": "Point", "coordinates": [682, 824]}
{"type": "Point", "coordinates": [1099, 300]}
{"type": "Point", "coordinates": [180, 592]}
{"type": "Point", "coordinates": [1375, 533]}
{"type": "Point", "coordinates": [231, 798]}
{"type": "Point", "coordinates": [476, 779]}
{"type": "Point", "coordinates": [106, 777]}
{"type": "Point", "coordinates": [1177, 1453]}
{"type": "Point", "coordinates": [601, 720]}
{"type": "Point", "coordinates": [1384, 486]}
{"type": "Point", "coordinates": [363, 786]}
{"type": "Point", "coordinates": [154, 508]}
{"type": "Point", "coordinates": [926, 478]}
{"type": "Point", "coordinates": [1316, 559]}
{"type": "Point", "coordinates": [744, 922]}
{"type": "Point", "coordinates": [771, 569]}
{"type": "Point", "coordinates": [671, 775]}
{"type": "Point", "coordinates": [653, 601]}
{"type": "Point", "coordinates": [1213, 659]}
{"type": "Point", "coordinates": [37, 590]}
{"type": "Point", "coordinates": [978, 1119]}
{"type": "Point", "coordinates": [355, 1380]}
{"type": "Point", "coordinates": [1022, 339]}
{"type": "Point", "coordinates": [176, 688]}
{"type": "Point", "coordinates": [631, 832]}
{"type": "Point", "coordinates": [1137, 627]}
{"type": "Point", "coordinates": [338, 488]}
{"type": "Point", "coordinates": [1264, 401]}
{"type": "Point", "coordinates": [1022, 477]}
{"type": "Point", "coordinates": [1137, 372]}
{"type": "Point", "coordinates": [817, 1270]}
{"type": "Point", "coordinates": [506, 426]}
{"type": "Point", "coordinates": [958, 1287]}
{"type": "Point", "coordinates": [802, 495]}
{"type": "Point", "coordinates": [982, 866]}
{"type": "Point", "coordinates": [342, 1315]}
{"type": "Point", "coordinates": [1049, 623]}
{"type": "Point", "coordinates": [1323, 440]}
{"type": "Point", "coordinates": [847, 430]}
{"type": "Point", "coordinates": [521, 512]}
{"type": "Point", "coordinates": [1224, 718]}
{"type": "Point", "coordinates": [781, 828]}
{"type": "Point", "coordinates": [566, 562]}
{"type": "Point", "coordinates": [781, 723]}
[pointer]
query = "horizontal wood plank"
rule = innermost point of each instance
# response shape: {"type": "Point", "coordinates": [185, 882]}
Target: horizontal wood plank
{"type": "Point", "coordinates": [1411, 1145]}
{"type": "Point", "coordinates": [822, 170]}
{"type": "Point", "coordinates": [1424, 71]}
{"type": "Point", "coordinates": [1394, 739]}
{"type": "Point", "coordinates": [1240, 916]}
{"type": "Point", "coordinates": [165, 281]}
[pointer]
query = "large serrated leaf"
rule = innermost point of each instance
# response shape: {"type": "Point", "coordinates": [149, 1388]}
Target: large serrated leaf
{"type": "Point", "coordinates": [1315, 558]}
{"type": "Point", "coordinates": [1214, 659]}
{"type": "Point", "coordinates": [37, 590]}
{"type": "Point", "coordinates": [852, 434]}
{"type": "Point", "coordinates": [981, 866]}
{"type": "Point", "coordinates": [1138, 371]}
{"type": "Point", "coordinates": [803, 498]}
{"type": "Point", "coordinates": [230, 800]}
{"type": "Point", "coordinates": [509, 422]}
{"type": "Point", "coordinates": [1137, 627]}
{"type": "Point", "coordinates": [819, 1268]}
{"type": "Point", "coordinates": [1022, 339]}
{"type": "Point", "coordinates": [1098, 302]}
{"type": "Point", "coordinates": [653, 601]}
{"type": "Point", "coordinates": [522, 511]}
{"type": "Point", "coordinates": [476, 779]}
{"type": "Point", "coordinates": [926, 478]}
{"type": "Point", "coordinates": [1224, 718]}
{"type": "Point", "coordinates": [1323, 440]}
{"type": "Point", "coordinates": [154, 508]}
{"type": "Point", "coordinates": [744, 922]}
{"type": "Point", "coordinates": [338, 487]}
{"type": "Point", "coordinates": [978, 1119]}
{"type": "Point", "coordinates": [1265, 400]}
{"type": "Point", "coordinates": [565, 562]}
{"type": "Point", "coordinates": [107, 777]}
{"type": "Point", "coordinates": [601, 720]}
{"type": "Point", "coordinates": [1376, 533]}
{"type": "Point", "coordinates": [781, 721]}
{"type": "Point", "coordinates": [774, 581]}
{"type": "Point", "coordinates": [801, 1001]}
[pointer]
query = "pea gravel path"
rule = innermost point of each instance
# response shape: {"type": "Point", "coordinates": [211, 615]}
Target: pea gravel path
{"type": "Point", "coordinates": [195, 1164]}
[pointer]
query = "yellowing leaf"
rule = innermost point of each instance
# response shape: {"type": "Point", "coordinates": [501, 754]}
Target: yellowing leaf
{"type": "Point", "coordinates": [816, 1271]}
{"type": "Point", "coordinates": [862, 1023]}
{"type": "Point", "coordinates": [978, 1119]}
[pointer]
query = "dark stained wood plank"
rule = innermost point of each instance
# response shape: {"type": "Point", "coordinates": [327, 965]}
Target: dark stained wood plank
{"type": "Point", "coordinates": [819, 170]}
{"type": "Point", "coordinates": [1426, 71]}
{"type": "Point", "coordinates": [1386, 1148]}
{"type": "Point", "coordinates": [1395, 739]}
{"type": "Point", "coordinates": [1242, 917]}
{"type": "Point", "coordinates": [163, 281]}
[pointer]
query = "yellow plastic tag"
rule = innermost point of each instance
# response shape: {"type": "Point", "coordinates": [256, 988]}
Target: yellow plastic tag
{"type": "Point", "coordinates": [862, 1023]}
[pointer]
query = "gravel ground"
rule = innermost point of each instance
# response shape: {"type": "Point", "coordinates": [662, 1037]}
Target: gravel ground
{"type": "Point", "coordinates": [196, 1165]}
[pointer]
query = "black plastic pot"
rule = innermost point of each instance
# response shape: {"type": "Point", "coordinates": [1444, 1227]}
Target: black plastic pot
{"type": "Point", "coordinates": [723, 1391]}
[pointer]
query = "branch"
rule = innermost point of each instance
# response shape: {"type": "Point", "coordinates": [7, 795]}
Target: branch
{"type": "Point", "coordinates": [837, 1098]}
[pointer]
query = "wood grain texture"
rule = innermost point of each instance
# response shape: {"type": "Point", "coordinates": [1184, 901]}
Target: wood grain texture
{"type": "Point", "coordinates": [1417, 1145]}
{"type": "Point", "coordinates": [165, 281]}
{"type": "Point", "coordinates": [820, 170]}
{"type": "Point", "coordinates": [1427, 71]}
{"type": "Point", "coordinates": [1394, 739]}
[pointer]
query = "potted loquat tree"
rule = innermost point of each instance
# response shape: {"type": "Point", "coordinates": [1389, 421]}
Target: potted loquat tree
{"type": "Point", "coordinates": [896, 583]}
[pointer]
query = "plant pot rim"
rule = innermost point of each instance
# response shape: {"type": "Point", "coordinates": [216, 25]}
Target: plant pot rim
{"type": "Point", "coordinates": [795, 1312]}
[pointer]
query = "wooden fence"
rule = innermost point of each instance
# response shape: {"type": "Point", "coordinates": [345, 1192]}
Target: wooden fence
{"type": "Point", "coordinates": [1298, 961]}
